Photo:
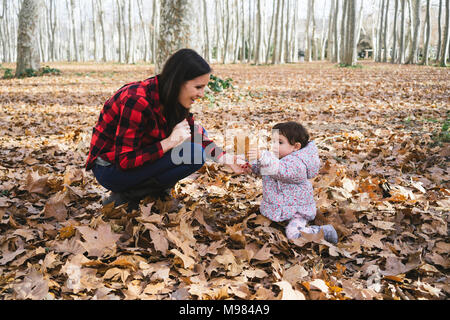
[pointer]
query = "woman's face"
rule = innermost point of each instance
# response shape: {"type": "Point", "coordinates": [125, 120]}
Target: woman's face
{"type": "Point", "coordinates": [192, 90]}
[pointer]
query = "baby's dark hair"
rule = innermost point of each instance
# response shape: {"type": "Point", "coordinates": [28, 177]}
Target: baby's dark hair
{"type": "Point", "coordinates": [294, 132]}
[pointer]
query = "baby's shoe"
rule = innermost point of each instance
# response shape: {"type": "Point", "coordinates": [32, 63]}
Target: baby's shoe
{"type": "Point", "coordinates": [330, 234]}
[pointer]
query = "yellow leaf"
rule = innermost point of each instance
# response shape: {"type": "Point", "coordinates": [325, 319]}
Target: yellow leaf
{"type": "Point", "coordinates": [66, 232]}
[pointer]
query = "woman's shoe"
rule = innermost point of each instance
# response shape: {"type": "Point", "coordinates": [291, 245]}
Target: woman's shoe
{"type": "Point", "coordinates": [170, 203]}
{"type": "Point", "coordinates": [119, 199]}
{"type": "Point", "coordinates": [116, 197]}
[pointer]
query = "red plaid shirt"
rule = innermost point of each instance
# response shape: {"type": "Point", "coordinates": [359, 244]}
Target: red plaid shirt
{"type": "Point", "coordinates": [131, 127]}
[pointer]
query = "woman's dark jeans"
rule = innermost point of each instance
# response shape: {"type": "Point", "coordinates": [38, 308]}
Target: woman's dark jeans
{"type": "Point", "coordinates": [174, 166]}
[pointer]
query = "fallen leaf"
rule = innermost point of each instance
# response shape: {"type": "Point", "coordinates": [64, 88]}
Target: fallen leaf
{"type": "Point", "coordinates": [188, 262]}
{"type": "Point", "coordinates": [289, 293]}
{"type": "Point", "coordinates": [99, 242]}
{"type": "Point", "coordinates": [34, 286]}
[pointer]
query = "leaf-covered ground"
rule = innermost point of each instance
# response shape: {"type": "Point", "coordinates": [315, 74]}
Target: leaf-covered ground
{"type": "Point", "coordinates": [382, 132]}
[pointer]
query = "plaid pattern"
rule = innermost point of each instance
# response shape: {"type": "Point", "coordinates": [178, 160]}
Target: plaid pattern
{"type": "Point", "coordinates": [131, 126]}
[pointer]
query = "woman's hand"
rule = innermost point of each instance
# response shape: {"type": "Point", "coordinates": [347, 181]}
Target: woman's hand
{"type": "Point", "coordinates": [247, 168]}
{"type": "Point", "coordinates": [181, 132]}
{"type": "Point", "coordinates": [237, 168]}
{"type": "Point", "coordinates": [236, 163]}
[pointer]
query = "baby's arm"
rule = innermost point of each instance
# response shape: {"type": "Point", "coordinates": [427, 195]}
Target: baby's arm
{"type": "Point", "coordinates": [290, 170]}
{"type": "Point", "coordinates": [256, 167]}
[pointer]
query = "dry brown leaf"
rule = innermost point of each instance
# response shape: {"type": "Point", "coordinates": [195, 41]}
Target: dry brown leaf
{"type": "Point", "coordinates": [99, 242]}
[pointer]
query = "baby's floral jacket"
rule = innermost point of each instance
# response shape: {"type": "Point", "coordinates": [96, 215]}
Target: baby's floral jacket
{"type": "Point", "coordinates": [286, 188]}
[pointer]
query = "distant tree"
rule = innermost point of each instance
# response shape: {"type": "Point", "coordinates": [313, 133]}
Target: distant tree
{"type": "Point", "coordinates": [394, 32]}
{"type": "Point", "coordinates": [349, 56]}
{"type": "Point", "coordinates": [336, 57]}
{"type": "Point", "coordinates": [258, 33]}
{"type": "Point", "coordinates": [445, 43]}
{"type": "Point", "coordinates": [428, 34]}
{"type": "Point", "coordinates": [401, 58]}
{"type": "Point", "coordinates": [28, 57]}
{"type": "Point", "coordinates": [385, 32]}
{"type": "Point", "coordinates": [380, 32]}
{"type": "Point", "coordinates": [275, 41]}
{"type": "Point", "coordinates": [309, 37]}
{"type": "Point", "coordinates": [439, 45]}
{"type": "Point", "coordinates": [413, 57]}
{"type": "Point", "coordinates": [175, 29]}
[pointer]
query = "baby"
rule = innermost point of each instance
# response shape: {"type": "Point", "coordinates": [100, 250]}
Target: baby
{"type": "Point", "coordinates": [287, 192]}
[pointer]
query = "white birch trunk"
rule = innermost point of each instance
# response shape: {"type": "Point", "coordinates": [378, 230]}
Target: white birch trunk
{"type": "Point", "coordinates": [27, 41]}
{"type": "Point", "coordinates": [445, 43]}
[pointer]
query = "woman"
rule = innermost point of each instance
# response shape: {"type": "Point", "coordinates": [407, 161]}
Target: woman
{"type": "Point", "coordinates": [144, 129]}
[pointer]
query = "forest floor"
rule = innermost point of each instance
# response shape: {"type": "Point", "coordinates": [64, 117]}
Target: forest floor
{"type": "Point", "coordinates": [382, 132]}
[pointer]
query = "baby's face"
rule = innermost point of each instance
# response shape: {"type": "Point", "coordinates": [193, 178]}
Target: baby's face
{"type": "Point", "coordinates": [284, 147]}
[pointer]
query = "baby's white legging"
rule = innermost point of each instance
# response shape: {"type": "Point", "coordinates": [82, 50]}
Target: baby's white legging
{"type": "Point", "coordinates": [298, 224]}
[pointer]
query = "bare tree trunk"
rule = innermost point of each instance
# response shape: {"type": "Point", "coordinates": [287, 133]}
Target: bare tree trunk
{"type": "Point", "coordinates": [74, 32]}
{"type": "Point", "coordinates": [351, 26]}
{"type": "Point", "coordinates": [336, 57]}
{"type": "Point", "coordinates": [323, 38]}
{"type": "Point", "coordinates": [394, 43]}
{"type": "Point", "coordinates": [275, 40]}
{"type": "Point", "coordinates": [130, 49]}
{"type": "Point", "coordinates": [385, 33]}
{"type": "Point", "coordinates": [359, 26]}
{"type": "Point", "coordinates": [313, 34]}
{"type": "Point", "coordinates": [205, 18]}
{"type": "Point", "coordinates": [94, 28]}
{"type": "Point", "coordinates": [286, 43]}
{"type": "Point", "coordinates": [218, 33]}
{"type": "Point", "coordinates": [175, 29]}
{"type": "Point", "coordinates": [308, 54]}
{"type": "Point", "coordinates": [227, 32]}
{"type": "Point", "coordinates": [380, 32]}
{"type": "Point", "coordinates": [445, 43]}
{"type": "Point", "coordinates": [53, 22]}
{"type": "Point", "coordinates": [69, 37]}
{"type": "Point", "coordinates": [402, 34]}
{"type": "Point", "coordinates": [330, 45]}
{"type": "Point", "coordinates": [294, 45]}
{"type": "Point", "coordinates": [280, 45]}
{"type": "Point", "coordinates": [258, 33]}
{"type": "Point", "coordinates": [82, 34]}
{"type": "Point", "coordinates": [122, 9]}
{"type": "Point", "coordinates": [2, 37]}
{"type": "Point", "coordinates": [102, 28]}
{"type": "Point", "coordinates": [428, 34]}
{"type": "Point", "coordinates": [439, 45]}
{"type": "Point", "coordinates": [250, 31]}
{"type": "Point", "coordinates": [119, 29]}
{"type": "Point", "coordinates": [413, 50]}
{"type": "Point", "coordinates": [237, 31]}
{"type": "Point", "coordinates": [144, 29]}
{"type": "Point", "coordinates": [243, 32]}
{"type": "Point", "coordinates": [410, 33]}
{"type": "Point", "coordinates": [41, 28]}
{"type": "Point", "coordinates": [343, 30]}
{"type": "Point", "coordinates": [154, 29]}
{"type": "Point", "coordinates": [27, 41]}
{"type": "Point", "coordinates": [270, 33]}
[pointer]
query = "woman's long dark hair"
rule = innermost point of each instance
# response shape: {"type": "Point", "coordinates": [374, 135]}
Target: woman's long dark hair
{"type": "Point", "coordinates": [182, 66]}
